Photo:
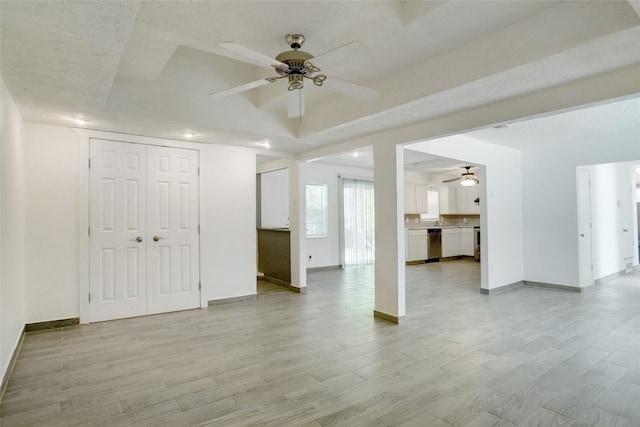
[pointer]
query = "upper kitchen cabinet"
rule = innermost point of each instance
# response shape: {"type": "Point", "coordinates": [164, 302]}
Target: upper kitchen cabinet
{"type": "Point", "coordinates": [459, 200]}
{"type": "Point", "coordinates": [447, 200]}
{"type": "Point", "coordinates": [415, 199]}
{"type": "Point", "coordinates": [465, 200]}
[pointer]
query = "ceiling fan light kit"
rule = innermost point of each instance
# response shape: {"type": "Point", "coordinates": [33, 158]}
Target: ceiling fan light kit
{"type": "Point", "coordinates": [467, 179]}
{"type": "Point", "coordinates": [295, 66]}
{"type": "Point", "coordinates": [468, 182]}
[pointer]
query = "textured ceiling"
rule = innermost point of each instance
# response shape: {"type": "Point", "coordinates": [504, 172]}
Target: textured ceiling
{"type": "Point", "coordinates": [611, 120]}
{"type": "Point", "coordinates": [147, 68]}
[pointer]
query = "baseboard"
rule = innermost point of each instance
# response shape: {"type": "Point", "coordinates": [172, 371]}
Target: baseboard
{"type": "Point", "coordinates": [505, 288]}
{"type": "Point", "coordinates": [297, 289]}
{"type": "Point", "coordinates": [398, 320]}
{"type": "Point", "coordinates": [232, 300]}
{"type": "Point", "coordinates": [325, 268]}
{"type": "Point", "coordinates": [52, 324]}
{"type": "Point", "coordinates": [553, 286]}
{"type": "Point", "coordinates": [11, 365]}
{"type": "Point", "coordinates": [609, 277]}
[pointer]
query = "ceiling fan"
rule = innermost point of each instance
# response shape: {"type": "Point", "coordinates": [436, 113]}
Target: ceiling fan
{"type": "Point", "coordinates": [295, 66]}
{"type": "Point", "coordinates": [467, 179]}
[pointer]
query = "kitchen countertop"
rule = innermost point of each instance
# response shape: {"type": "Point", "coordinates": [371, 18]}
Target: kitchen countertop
{"type": "Point", "coordinates": [424, 227]}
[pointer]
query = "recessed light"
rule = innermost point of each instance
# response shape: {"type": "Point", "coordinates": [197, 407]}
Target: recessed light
{"type": "Point", "coordinates": [189, 134]}
{"type": "Point", "coordinates": [355, 154]}
{"type": "Point", "coordinates": [80, 120]}
{"type": "Point", "coordinates": [502, 126]}
{"type": "Point", "coordinates": [264, 144]}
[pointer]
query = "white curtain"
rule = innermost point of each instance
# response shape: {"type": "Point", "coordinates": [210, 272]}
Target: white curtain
{"type": "Point", "coordinates": [358, 223]}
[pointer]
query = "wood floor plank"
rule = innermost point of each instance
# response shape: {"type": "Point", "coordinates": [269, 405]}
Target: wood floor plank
{"type": "Point", "coordinates": [530, 356]}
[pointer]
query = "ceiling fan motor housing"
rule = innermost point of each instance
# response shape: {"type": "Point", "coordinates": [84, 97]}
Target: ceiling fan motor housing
{"type": "Point", "coordinates": [297, 67]}
{"type": "Point", "coordinates": [295, 60]}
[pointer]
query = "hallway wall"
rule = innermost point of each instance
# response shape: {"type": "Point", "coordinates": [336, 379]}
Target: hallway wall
{"type": "Point", "coordinates": [550, 202]}
{"type": "Point", "coordinates": [12, 226]}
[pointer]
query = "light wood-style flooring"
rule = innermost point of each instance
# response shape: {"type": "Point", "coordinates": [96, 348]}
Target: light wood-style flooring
{"type": "Point", "coordinates": [527, 357]}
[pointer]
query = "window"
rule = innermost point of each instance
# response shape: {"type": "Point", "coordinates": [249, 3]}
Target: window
{"type": "Point", "coordinates": [316, 210]}
{"type": "Point", "coordinates": [358, 240]}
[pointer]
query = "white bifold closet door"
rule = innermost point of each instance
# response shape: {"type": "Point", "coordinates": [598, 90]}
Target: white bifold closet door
{"type": "Point", "coordinates": [144, 239]}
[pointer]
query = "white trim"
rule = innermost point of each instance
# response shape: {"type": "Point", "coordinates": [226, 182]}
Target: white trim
{"type": "Point", "coordinates": [83, 228]}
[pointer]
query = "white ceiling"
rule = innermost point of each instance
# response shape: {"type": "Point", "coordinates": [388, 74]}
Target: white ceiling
{"type": "Point", "coordinates": [609, 120]}
{"type": "Point", "coordinates": [147, 68]}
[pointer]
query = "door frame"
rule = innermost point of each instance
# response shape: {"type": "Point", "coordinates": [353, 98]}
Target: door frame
{"type": "Point", "coordinates": [585, 278]}
{"type": "Point", "coordinates": [83, 207]}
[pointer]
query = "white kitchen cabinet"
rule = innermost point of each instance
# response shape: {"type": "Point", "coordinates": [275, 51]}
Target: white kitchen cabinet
{"type": "Point", "coordinates": [465, 200]}
{"type": "Point", "coordinates": [415, 199]}
{"type": "Point", "coordinates": [466, 241]}
{"type": "Point", "coordinates": [451, 242]}
{"type": "Point", "coordinates": [472, 194]}
{"type": "Point", "coordinates": [409, 198]}
{"type": "Point", "coordinates": [461, 200]}
{"type": "Point", "coordinates": [422, 201]}
{"type": "Point", "coordinates": [447, 200]}
{"type": "Point", "coordinates": [416, 245]}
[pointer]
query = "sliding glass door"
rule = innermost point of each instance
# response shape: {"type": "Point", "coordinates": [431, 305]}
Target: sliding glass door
{"type": "Point", "coordinates": [358, 222]}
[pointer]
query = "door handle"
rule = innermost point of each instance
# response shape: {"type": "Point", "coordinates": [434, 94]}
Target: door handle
{"type": "Point", "coordinates": [582, 235]}
{"type": "Point", "coordinates": [156, 238]}
{"type": "Point", "coordinates": [138, 239]}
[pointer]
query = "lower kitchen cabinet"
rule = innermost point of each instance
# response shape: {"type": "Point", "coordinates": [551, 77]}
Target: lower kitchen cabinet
{"type": "Point", "coordinates": [416, 245]}
{"type": "Point", "coordinates": [466, 241]}
{"type": "Point", "coordinates": [451, 242]}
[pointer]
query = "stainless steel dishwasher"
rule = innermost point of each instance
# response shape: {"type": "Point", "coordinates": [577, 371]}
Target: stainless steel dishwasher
{"type": "Point", "coordinates": [434, 244]}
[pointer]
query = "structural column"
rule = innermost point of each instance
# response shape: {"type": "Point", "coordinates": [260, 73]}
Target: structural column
{"type": "Point", "coordinates": [389, 210]}
{"type": "Point", "coordinates": [298, 225]}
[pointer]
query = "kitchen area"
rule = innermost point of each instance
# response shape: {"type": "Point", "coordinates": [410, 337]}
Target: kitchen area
{"type": "Point", "coordinates": [442, 223]}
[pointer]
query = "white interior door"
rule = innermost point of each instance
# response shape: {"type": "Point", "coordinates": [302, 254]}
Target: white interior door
{"type": "Point", "coordinates": [139, 193]}
{"type": "Point", "coordinates": [117, 220]}
{"type": "Point", "coordinates": [173, 244]}
{"type": "Point", "coordinates": [584, 229]}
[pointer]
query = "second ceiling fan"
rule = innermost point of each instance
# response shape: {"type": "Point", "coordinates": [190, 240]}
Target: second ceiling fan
{"type": "Point", "coordinates": [467, 179]}
{"type": "Point", "coordinates": [295, 66]}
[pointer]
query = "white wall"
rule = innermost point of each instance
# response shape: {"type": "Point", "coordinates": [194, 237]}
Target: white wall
{"type": "Point", "coordinates": [228, 237]}
{"type": "Point", "coordinates": [612, 211]}
{"type": "Point", "coordinates": [501, 214]}
{"type": "Point", "coordinates": [274, 199]}
{"type": "Point", "coordinates": [550, 213]}
{"type": "Point", "coordinates": [54, 173]}
{"type": "Point", "coordinates": [51, 237]}
{"type": "Point", "coordinates": [325, 251]}
{"type": "Point", "coordinates": [12, 226]}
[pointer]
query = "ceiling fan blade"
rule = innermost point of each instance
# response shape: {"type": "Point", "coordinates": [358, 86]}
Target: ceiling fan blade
{"type": "Point", "coordinates": [242, 88]}
{"type": "Point", "coordinates": [350, 89]}
{"type": "Point", "coordinates": [251, 55]}
{"type": "Point", "coordinates": [452, 180]}
{"type": "Point", "coordinates": [295, 103]}
{"type": "Point", "coordinates": [338, 56]}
